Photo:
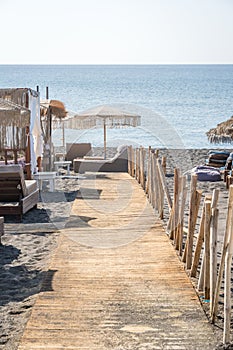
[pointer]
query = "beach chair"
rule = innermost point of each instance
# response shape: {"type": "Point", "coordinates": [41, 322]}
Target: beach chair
{"type": "Point", "coordinates": [17, 195]}
{"type": "Point", "coordinates": [119, 163]}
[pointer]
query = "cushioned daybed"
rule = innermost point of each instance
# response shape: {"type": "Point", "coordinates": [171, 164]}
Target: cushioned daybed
{"type": "Point", "coordinates": [207, 173]}
{"type": "Point", "coordinates": [17, 195]}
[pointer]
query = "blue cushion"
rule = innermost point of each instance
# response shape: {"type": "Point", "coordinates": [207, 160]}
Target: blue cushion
{"type": "Point", "coordinates": [207, 173]}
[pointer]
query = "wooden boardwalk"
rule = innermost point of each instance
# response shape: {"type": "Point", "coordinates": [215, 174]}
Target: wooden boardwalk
{"type": "Point", "coordinates": [115, 281]}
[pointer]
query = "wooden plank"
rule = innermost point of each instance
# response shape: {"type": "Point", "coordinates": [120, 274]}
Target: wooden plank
{"type": "Point", "coordinates": [115, 280]}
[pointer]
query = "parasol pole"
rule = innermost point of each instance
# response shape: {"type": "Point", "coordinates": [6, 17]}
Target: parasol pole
{"type": "Point", "coordinates": [105, 140]}
{"type": "Point", "coordinates": [63, 134]}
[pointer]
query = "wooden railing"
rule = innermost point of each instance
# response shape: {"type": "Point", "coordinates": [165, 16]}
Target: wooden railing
{"type": "Point", "coordinates": [195, 245]}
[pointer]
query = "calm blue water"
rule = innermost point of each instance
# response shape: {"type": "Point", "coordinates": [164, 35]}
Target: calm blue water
{"type": "Point", "coordinates": [178, 103]}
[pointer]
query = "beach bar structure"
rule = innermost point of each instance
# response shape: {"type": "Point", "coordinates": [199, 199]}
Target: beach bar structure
{"type": "Point", "coordinates": [20, 127]}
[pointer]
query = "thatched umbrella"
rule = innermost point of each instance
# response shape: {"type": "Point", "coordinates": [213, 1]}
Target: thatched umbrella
{"type": "Point", "coordinates": [103, 116]}
{"type": "Point", "coordinates": [56, 107]}
{"type": "Point", "coordinates": [52, 113]}
{"type": "Point", "coordinates": [223, 133]}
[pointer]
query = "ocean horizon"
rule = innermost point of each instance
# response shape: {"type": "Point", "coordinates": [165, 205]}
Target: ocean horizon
{"type": "Point", "coordinates": [178, 104]}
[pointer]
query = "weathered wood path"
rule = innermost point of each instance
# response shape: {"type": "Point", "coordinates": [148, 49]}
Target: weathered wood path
{"type": "Point", "coordinates": [115, 281]}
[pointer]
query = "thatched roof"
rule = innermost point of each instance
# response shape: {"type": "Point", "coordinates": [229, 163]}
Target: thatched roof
{"type": "Point", "coordinates": [13, 114]}
{"type": "Point", "coordinates": [57, 108]}
{"type": "Point", "coordinates": [13, 121]}
{"type": "Point", "coordinates": [223, 133]}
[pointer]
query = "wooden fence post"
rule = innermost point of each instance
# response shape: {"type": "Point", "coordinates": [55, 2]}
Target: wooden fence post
{"type": "Point", "coordinates": [130, 160]}
{"type": "Point", "coordinates": [195, 198]}
{"type": "Point", "coordinates": [223, 255]}
{"type": "Point", "coordinates": [164, 164]}
{"type": "Point", "coordinates": [160, 191]}
{"type": "Point", "coordinates": [152, 180]}
{"type": "Point", "coordinates": [201, 280]}
{"type": "Point", "coordinates": [175, 204]}
{"type": "Point", "coordinates": [143, 169]}
{"type": "Point", "coordinates": [180, 228]}
{"type": "Point", "coordinates": [149, 177]}
{"type": "Point", "coordinates": [133, 162]}
{"type": "Point", "coordinates": [140, 165]}
{"type": "Point", "coordinates": [155, 182]}
{"type": "Point", "coordinates": [207, 249]}
{"type": "Point", "coordinates": [227, 287]}
{"type": "Point", "coordinates": [148, 171]}
{"type": "Point", "coordinates": [213, 254]}
{"type": "Point", "coordinates": [200, 240]}
{"type": "Point", "coordinates": [165, 187]}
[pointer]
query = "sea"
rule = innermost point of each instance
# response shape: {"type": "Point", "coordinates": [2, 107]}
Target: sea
{"type": "Point", "coordinates": [178, 104]}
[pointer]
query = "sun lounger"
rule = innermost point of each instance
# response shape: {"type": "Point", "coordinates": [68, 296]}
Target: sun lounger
{"type": "Point", "coordinates": [119, 163]}
{"type": "Point", "coordinates": [77, 150]}
{"type": "Point", "coordinates": [17, 195]}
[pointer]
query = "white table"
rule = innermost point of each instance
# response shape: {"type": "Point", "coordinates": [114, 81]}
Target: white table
{"type": "Point", "coordinates": [63, 163]}
{"type": "Point", "coordinates": [46, 176]}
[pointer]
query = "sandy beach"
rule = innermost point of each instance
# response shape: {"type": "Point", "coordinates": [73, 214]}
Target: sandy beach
{"type": "Point", "coordinates": [28, 247]}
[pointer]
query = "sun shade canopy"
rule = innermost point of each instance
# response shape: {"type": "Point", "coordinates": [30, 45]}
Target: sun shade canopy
{"type": "Point", "coordinates": [103, 115]}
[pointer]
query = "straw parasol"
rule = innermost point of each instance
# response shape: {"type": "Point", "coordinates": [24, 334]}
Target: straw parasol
{"type": "Point", "coordinates": [52, 114]}
{"type": "Point", "coordinates": [103, 116]}
{"type": "Point", "coordinates": [56, 107]}
{"type": "Point", "coordinates": [222, 133]}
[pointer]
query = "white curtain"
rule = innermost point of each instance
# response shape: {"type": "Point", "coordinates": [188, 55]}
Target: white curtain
{"type": "Point", "coordinates": [35, 130]}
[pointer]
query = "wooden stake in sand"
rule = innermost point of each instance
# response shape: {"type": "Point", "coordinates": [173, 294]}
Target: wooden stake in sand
{"type": "Point", "coordinates": [175, 208]}
{"type": "Point", "coordinates": [207, 249]}
{"type": "Point", "coordinates": [227, 286]}
{"type": "Point", "coordinates": [164, 185]}
{"type": "Point", "coordinates": [200, 240]}
{"type": "Point", "coordinates": [224, 250]}
{"type": "Point", "coordinates": [195, 198]}
{"type": "Point", "coordinates": [180, 228]}
{"type": "Point", "coordinates": [130, 160]}
{"type": "Point", "coordinates": [148, 170]}
{"type": "Point", "coordinates": [213, 254]}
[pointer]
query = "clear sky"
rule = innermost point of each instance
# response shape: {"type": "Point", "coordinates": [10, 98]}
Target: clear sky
{"type": "Point", "coordinates": [116, 31]}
